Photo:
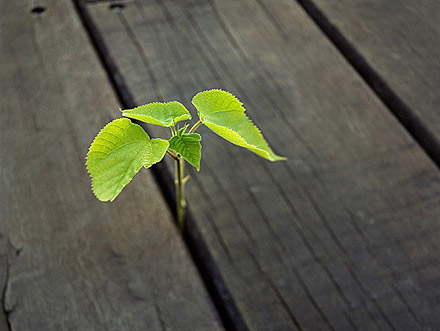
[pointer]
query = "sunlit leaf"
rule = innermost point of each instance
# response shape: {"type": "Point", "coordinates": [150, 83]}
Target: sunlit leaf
{"type": "Point", "coordinates": [188, 145]}
{"type": "Point", "coordinates": [224, 114]}
{"type": "Point", "coordinates": [159, 113]}
{"type": "Point", "coordinates": [118, 152]}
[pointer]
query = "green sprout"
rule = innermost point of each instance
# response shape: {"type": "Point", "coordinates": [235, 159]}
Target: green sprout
{"type": "Point", "coordinates": [122, 147]}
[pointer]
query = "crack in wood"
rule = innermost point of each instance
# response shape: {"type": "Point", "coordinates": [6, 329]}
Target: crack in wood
{"type": "Point", "coordinates": [6, 311]}
{"type": "Point", "coordinates": [10, 248]}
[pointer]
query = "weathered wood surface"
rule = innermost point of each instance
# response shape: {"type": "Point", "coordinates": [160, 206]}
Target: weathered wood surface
{"type": "Point", "coordinates": [396, 44]}
{"type": "Point", "coordinates": [342, 236]}
{"type": "Point", "coordinates": [76, 263]}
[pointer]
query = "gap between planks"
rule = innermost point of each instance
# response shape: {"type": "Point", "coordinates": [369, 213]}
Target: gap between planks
{"type": "Point", "coordinates": [403, 113]}
{"type": "Point", "coordinates": [160, 177]}
{"type": "Point", "coordinates": [200, 254]}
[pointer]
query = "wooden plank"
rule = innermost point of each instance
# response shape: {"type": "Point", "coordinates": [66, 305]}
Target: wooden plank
{"type": "Point", "coordinates": [394, 45]}
{"type": "Point", "coordinates": [76, 263]}
{"type": "Point", "coordinates": [338, 236]}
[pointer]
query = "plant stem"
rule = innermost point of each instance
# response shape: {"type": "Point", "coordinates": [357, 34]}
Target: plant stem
{"type": "Point", "coordinates": [174, 156]}
{"type": "Point", "coordinates": [195, 127]}
{"type": "Point", "coordinates": [180, 199]}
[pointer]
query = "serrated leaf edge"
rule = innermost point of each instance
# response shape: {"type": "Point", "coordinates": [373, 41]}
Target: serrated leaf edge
{"type": "Point", "coordinates": [202, 118]}
{"type": "Point", "coordinates": [219, 90]}
{"type": "Point", "coordinates": [198, 165]}
{"type": "Point", "coordinates": [88, 152]}
{"type": "Point", "coordinates": [168, 123]}
{"type": "Point", "coordinates": [272, 158]}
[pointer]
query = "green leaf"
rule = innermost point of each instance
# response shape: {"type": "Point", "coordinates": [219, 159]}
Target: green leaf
{"type": "Point", "coordinates": [159, 113]}
{"type": "Point", "coordinates": [117, 153]}
{"type": "Point", "coordinates": [224, 114]}
{"type": "Point", "coordinates": [188, 145]}
{"type": "Point", "coordinates": [159, 148]}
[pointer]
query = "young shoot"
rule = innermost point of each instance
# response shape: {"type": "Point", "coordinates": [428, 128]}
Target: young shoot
{"type": "Point", "coordinates": [122, 147]}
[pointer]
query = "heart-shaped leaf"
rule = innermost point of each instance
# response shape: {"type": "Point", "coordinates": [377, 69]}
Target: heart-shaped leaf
{"type": "Point", "coordinates": [224, 114]}
{"type": "Point", "coordinates": [117, 154]}
{"type": "Point", "coordinates": [188, 145]}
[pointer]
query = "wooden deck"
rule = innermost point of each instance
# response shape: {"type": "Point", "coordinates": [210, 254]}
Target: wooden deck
{"type": "Point", "coordinates": [345, 235]}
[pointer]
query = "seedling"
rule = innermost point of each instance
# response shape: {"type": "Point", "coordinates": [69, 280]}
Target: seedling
{"type": "Point", "coordinates": [122, 148]}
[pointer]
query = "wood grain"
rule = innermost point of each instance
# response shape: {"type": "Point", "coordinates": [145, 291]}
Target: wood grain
{"type": "Point", "coordinates": [342, 236]}
{"type": "Point", "coordinates": [68, 261]}
{"type": "Point", "coordinates": [395, 46]}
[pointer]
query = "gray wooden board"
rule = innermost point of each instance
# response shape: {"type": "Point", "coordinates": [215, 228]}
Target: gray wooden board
{"type": "Point", "coordinates": [344, 235]}
{"type": "Point", "coordinates": [399, 41]}
{"type": "Point", "coordinates": [68, 261]}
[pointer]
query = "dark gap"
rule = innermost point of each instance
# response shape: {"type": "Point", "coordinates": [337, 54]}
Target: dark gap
{"type": "Point", "coordinates": [97, 1]}
{"type": "Point", "coordinates": [395, 104]}
{"type": "Point", "coordinates": [116, 7]}
{"type": "Point", "coordinates": [208, 270]}
{"type": "Point", "coordinates": [38, 10]}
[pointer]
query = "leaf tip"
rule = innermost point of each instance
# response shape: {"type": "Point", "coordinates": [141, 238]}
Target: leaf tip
{"type": "Point", "coordinates": [278, 158]}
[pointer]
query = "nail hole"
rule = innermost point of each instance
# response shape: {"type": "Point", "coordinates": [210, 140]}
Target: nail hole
{"type": "Point", "coordinates": [38, 10]}
{"type": "Point", "coordinates": [117, 7]}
